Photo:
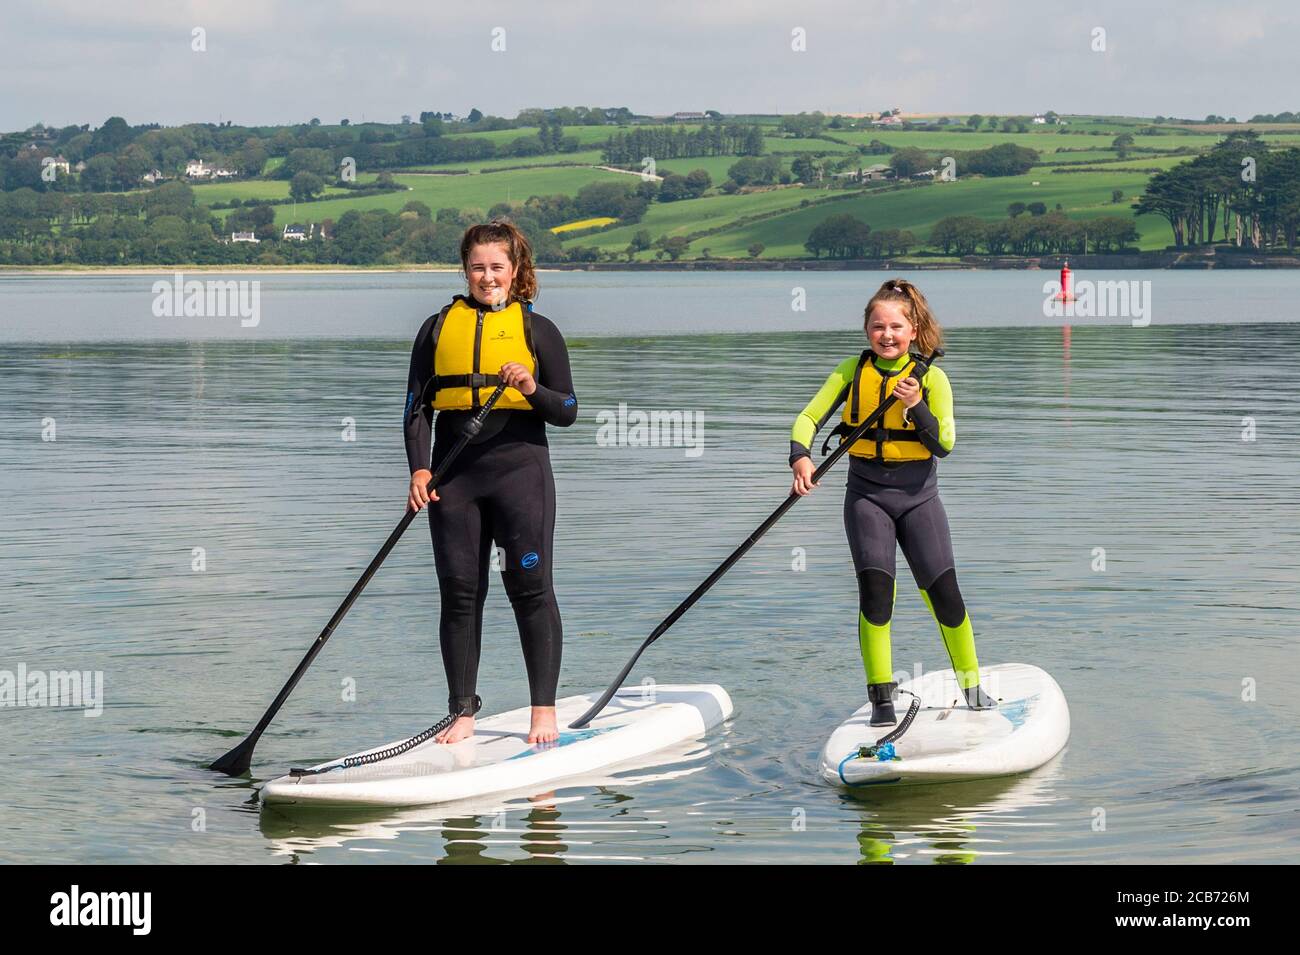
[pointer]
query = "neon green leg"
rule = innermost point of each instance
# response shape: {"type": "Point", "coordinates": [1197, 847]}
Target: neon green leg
{"type": "Point", "coordinates": [877, 656]}
{"type": "Point", "coordinates": [959, 641]}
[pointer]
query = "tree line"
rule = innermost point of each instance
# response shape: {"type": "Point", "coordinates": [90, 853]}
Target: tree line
{"type": "Point", "coordinates": [1241, 186]}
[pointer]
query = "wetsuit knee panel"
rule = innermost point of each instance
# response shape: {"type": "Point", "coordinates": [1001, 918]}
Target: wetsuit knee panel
{"type": "Point", "coordinates": [945, 599]}
{"type": "Point", "coordinates": [876, 596]}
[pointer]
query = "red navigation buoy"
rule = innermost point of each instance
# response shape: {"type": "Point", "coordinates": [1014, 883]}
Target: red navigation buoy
{"type": "Point", "coordinates": [1066, 294]}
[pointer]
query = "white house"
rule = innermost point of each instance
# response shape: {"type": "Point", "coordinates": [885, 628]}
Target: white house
{"type": "Point", "coordinates": [299, 233]}
{"type": "Point", "coordinates": [195, 169]}
{"type": "Point", "coordinates": [244, 237]}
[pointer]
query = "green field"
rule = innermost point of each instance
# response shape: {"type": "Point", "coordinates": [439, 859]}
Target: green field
{"type": "Point", "coordinates": [208, 193]}
{"type": "Point", "coordinates": [461, 192]}
{"type": "Point", "coordinates": [589, 157]}
{"type": "Point", "coordinates": [691, 215]}
{"type": "Point", "coordinates": [715, 166]}
{"type": "Point", "coordinates": [916, 208]}
{"type": "Point", "coordinates": [1085, 155]}
{"type": "Point", "coordinates": [783, 221]}
{"type": "Point", "coordinates": [920, 207]}
{"type": "Point", "coordinates": [584, 134]}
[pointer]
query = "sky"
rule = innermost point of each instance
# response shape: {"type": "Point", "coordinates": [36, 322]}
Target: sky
{"type": "Point", "coordinates": [254, 62]}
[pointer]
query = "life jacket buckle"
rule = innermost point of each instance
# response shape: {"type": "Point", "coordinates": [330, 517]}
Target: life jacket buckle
{"type": "Point", "coordinates": [842, 430]}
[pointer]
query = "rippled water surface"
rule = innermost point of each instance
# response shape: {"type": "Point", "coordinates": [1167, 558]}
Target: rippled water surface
{"type": "Point", "coordinates": [1097, 443]}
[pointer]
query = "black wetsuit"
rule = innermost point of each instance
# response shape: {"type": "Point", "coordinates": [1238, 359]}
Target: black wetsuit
{"type": "Point", "coordinates": [499, 489]}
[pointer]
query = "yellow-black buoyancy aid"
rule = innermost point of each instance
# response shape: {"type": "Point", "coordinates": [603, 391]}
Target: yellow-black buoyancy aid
{"type": "Point", "coordinates": [472, 342]}
{"type": "Point", "coordinates": [894, 438]}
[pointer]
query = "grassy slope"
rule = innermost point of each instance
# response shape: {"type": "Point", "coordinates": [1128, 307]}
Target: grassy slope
{"type": "Point", "coordinates": [917, 209]}
{"type": "Point", "coordinates": [462, 192]}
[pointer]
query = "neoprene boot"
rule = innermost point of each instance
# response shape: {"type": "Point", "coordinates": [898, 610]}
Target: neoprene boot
{"type": "Point", "coordinates": [977, 699]}
{"type": "Point", "coordinates": [881, 696]}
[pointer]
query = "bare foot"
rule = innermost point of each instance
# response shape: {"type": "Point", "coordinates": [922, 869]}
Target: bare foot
{"type": "Point", "coordinates": [543, 729]}
{"type": "Point", "coordinates": [463, 728]}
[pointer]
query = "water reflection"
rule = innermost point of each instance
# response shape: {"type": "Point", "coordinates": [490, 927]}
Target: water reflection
{"type": "Point", "coordinates": [951, 823]}
{"type": "Point", "coordinates": [496, 829]}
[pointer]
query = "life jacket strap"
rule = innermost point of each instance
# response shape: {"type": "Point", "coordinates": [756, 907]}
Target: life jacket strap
{"type": "Point", "coordinates": [465, 381]}
{"type": "Point", "coordinates": [844, 429]}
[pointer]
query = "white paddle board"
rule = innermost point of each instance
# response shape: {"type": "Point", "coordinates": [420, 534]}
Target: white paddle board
{"type": "Point", "coordinates": [498, 758]}
{"type": "Point", "coordinates": [948, 741]}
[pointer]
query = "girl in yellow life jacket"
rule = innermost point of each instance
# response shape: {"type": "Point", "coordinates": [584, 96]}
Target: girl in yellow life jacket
{"type": "Point", "coordinates": [500, 489]}
{"type": "Point", "coordinates": [892, 498]}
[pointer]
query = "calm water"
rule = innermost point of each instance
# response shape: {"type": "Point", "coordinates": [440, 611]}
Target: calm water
{"type": "Point", "coordinates": [1100, 436]}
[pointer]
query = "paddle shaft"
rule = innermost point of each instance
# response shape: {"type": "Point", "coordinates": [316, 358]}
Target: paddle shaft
{"type": "Point", "coordinates": [922, 366]}
{"type": "Point", "coordinates": [239, 759]}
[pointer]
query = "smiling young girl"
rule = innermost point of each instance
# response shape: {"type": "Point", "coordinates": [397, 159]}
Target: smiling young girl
{"type": "Point", "coordinates": [893, 490]}
{"type": "Point", "coordinates": [501, 487]}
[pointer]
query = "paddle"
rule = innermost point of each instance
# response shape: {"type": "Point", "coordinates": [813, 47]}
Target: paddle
{"type": "Point", "coordinates": [238, 760]}
{"type": "Point", "coordinates": [918, 372]}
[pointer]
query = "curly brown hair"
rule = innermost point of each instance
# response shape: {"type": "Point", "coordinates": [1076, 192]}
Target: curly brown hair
{"type": "Point", "coordinates": [929, 335]}
{"type": "Point", "coordinates": [508, 234]}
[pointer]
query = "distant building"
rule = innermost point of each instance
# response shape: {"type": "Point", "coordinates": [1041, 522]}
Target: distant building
{"type": "Point", "coordinates": [872, 173]}
{"type": "Point", "coordinates": [1040, 120]}
{"type": "Point", "coordinates": [888, 119]}
{"type": "Point", "coordinates": [194, 169]}
{"type": "Point", "coordinates": [688, 117]}
{"type": "Point", "coordinates": [154, 176]}
{"type": "Point", "coordinates": [244, 237]}
{"type": "Point", "coordinates": [299, 233]}
{"type": "Point", "coordinates": [222, 173]}
{"type": "Point", "coordinates": [925, 174]}
{"type": "Point", "coordinates": [61, 165]}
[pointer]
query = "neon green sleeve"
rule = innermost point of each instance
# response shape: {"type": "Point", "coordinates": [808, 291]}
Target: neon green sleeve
{"type": "Point", "coordinates": [822, 406]}
{"type": "Point", "coordinates": [940, 402]}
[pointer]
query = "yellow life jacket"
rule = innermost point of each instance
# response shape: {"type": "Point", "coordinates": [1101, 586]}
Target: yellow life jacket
{"type": "Point", "coordinates": [893, 438]}
{"type": "Point", "coordinates": [471, 343]}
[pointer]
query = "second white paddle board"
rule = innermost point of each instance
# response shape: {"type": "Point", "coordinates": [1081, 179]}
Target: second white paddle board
{"type": "Point", "coordinates": [948, 741]}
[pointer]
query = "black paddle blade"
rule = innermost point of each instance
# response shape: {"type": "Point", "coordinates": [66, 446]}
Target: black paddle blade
{"type": "Point", "coordinates": [237, 762]}
{"type": "Point", "coordinates": [582, 721]}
